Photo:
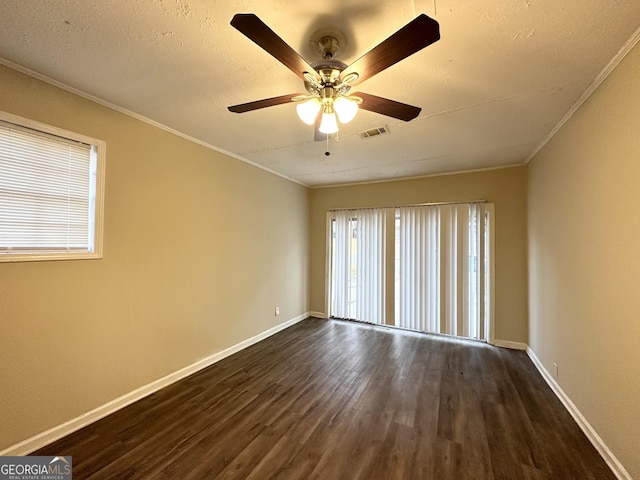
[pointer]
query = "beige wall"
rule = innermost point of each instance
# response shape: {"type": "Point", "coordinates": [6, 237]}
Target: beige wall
{"type": "Point", "coordinates": [584, 265]}
{"type": "Point", "coordinates": [505, 187]}
{"type": "Point", "coordinates": [198, 250]}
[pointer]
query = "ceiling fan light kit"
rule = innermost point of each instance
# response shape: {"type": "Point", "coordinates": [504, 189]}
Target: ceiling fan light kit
{"type": "Point", "coordinates": [329, 81]}
{"type": "Point", "coordinates": [309, 110]}
{"type": "Point", "coordinates": [329, 124]}
{"type": "Point", "coordinates": [346, 108]}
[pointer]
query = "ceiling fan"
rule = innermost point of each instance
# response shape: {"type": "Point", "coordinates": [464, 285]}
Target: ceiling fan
{"type": "Point", "coordinates": [329, 81]}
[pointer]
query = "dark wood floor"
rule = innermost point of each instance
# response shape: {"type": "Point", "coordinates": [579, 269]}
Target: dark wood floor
{"type": "Point", "coordinates": [337, 400]}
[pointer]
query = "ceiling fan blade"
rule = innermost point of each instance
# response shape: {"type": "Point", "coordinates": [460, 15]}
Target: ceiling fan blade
{"type": "Point", "coordinates": [387, 107]}
{"type": "Point", "coordinates": [257, 31]}
{"type": "Point", "coordinates": [267, 102]}
{"type": "Point", "coordinates": [421, 32]}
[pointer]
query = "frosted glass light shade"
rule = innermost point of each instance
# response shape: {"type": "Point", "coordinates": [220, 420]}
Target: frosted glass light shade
{"type": "Point", "coordinates": [345, 108]}
{"type": "Point", "coordinates": [308, 111]}
{"type": "Point", "coordinates": [329, 123]}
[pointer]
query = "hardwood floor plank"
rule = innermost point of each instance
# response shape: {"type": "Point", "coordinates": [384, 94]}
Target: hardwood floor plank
{"type": "Point", "coordinates": [339, 400]}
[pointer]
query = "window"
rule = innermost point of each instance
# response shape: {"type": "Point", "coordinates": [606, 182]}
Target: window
{"type": "Point", "coordinates": [51, 190]}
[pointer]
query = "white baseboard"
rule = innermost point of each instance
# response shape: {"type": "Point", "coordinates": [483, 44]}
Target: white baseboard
{"type": "Point", "coordinates": [317, 314]}
{"type": "Point", "coordinates": [509, 344]}
{"type": "Point", "coordinates": [44, 438]}
{"type": "Point", "coordinates": [614, 464]}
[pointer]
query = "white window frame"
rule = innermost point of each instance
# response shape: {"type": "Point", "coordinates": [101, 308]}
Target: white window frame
{"type": "Point", "coordinates": [98, 211]}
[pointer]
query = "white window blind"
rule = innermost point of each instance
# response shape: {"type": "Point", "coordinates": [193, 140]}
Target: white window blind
{"type": "Point", "coordinates": [358, 259]}
{"type": "Point", "coordinates": [343, 249]}
{"type": "Point", "coordinates": [441, 272]}
{"type": "Point", "coordinates": [418, 274]}
{"type": "Point", "coordinates": [48, 193]}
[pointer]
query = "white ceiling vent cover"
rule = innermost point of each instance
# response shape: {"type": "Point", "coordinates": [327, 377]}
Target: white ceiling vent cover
{"type": "Point", "coordinates": [374, 132]}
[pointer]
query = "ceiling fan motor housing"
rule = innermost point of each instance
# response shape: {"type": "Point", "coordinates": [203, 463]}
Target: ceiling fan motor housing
{"type": "Point", "coordinates": [329, 71]}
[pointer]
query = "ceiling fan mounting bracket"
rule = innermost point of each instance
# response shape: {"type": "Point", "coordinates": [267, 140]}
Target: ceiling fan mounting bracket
{"type": "Point", "coordinates": [328, 42]}
{"type": "Point", "coordinates": [328, 47]}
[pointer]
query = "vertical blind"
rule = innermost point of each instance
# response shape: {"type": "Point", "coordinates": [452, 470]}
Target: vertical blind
{"type": "Point", "coordinates": [342, 272]}
{"type": "Point", "coordinates": [358, 264]}
{"type": "Point", "coordinates": [47, 192]}
{"type": "Point", "coordinates": [440, 278]}
{"type": "Point", "coordinates": [441, 272]}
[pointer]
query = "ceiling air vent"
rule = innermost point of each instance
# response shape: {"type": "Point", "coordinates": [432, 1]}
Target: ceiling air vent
{"type": "Point", "coordinates": [374, 132]}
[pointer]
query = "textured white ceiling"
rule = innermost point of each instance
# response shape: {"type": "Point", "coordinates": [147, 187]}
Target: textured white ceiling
{"type": "Point", "coordinates": [491, 90]}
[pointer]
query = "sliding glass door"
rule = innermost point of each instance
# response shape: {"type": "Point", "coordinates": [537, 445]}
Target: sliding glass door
{"type": "Point", "coordinates": [441, 269]}
{"type": "Point", "coordinates": [441, 278]}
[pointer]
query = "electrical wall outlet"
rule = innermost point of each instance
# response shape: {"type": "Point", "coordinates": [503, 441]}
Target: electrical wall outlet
{"type": "Point", "coordinates": [277, 310]}
{"type": "Point", "coordinates": [555, 370]}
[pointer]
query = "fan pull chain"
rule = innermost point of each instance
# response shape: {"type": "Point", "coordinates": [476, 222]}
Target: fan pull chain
{"type": "Point", "coordinates": [327, 152]}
